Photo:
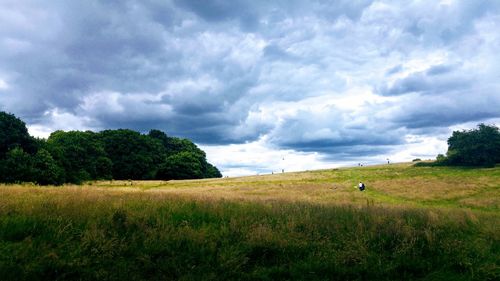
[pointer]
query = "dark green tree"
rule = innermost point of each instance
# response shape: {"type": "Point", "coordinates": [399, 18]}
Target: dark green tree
{"type": "Point", "coordinates": [104, 168]}
{"type": "Point", "coordinates": [476, 147]}
{"type": "Point", "coordinates": [183, 165]}
{"type": "Point", "coordinates": [134, 156]}
{"type": "Point", "coordinates": [16, 167]}
{"type": "Point", "coordinates": [212, 172]}
{"type": "Point", "coordinates": [175, 146]}
{"type": "Point", "coordinates": [13, 133]}
{"type": "Point", "coordinates": [78, 153]}
{"type": "Point", "coordinates": [77, 156]}
{"type": "Point", "coordinates": [165, 140]}
{"type": "Point", "coordinates": [45, 169]}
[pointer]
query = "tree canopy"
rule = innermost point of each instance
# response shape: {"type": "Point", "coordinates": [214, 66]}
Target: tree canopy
{"type": "Point", "coordinates": [476, 147]}
{"type": "Point", "coordinates": [77, 156]}
{"type": "Point", "coordinates": [80, 154]}
{"type": "Point", "coordinates": [134, 156]}
{"type": "Point", "coordinates": [13, 133]}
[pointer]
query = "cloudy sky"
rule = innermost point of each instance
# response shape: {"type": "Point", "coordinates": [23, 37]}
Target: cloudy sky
{"type": "Point", "coordinates": [259, 85]}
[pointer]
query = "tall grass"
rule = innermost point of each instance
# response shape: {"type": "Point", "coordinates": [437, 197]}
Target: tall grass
{"type": "Point", "coordinates": [76, 233]}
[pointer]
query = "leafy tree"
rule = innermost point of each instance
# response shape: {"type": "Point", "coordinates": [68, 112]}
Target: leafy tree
{"type": "Point", "coordinates": [13, 133]}
{"type": "Point", "coordinates": [78, 153]}
{"type": "Point", "coordinates": [183, 165]}
{"type": "Point", "coordinates": [477, 147]}
{"type": "Point", "coordinates": [212, 172]}
{"type": "Point", "coordinates": [77, 156]}
{"type": "Point", "coordinates": [165, 140]}
{"type": "Point", "coordinates": [134, 156]}
{"type": "Point", "coordinates": [104, 168]}
{"type": "Point", "coordinates": [174, 146]}
{"type": "Point", "coordinates": [16, 167]}
{"type": "Point", "coordinates": [45, 169]}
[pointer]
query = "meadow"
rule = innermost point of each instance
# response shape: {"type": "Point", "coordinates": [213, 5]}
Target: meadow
{"type": "Point", "coordinates": [412, 223]}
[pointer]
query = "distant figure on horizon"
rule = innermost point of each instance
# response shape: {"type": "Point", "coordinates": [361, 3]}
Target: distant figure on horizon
{"type": "Point", "coordinates": [361, 186]}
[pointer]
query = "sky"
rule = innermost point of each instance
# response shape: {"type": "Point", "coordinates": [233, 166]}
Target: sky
{"type": "Point", "coordinates": [261, 86]}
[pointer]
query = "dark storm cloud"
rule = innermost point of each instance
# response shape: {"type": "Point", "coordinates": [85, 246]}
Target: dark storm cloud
{"type": "Point", "coordinates": [82, 47]}
{"type": "Point", "coordinates": [447, 110]}
{"type": "Point", "coordinates": [223, 72]}
{"type": "Point", "coordinates": [355, 153]}
{"type": "Point", "coordinates": [249, 14]}
{"type": "Point", "coordinates": [337, 135]}
{"type": "Point", "coordinates": [441, 24]}
{"type": "Point", "coordinates": [122, 47]}
{"type": "Point", "coordinates": [345, 151]}
{"type": "Point", "coordinates": [244, 12]}
{"type": "Point", "coordinates": [274, 52]}
{"type": "Point", "coordinates": [74, 49]}
{"type": "Point", "coordinates": [432, 81]}
{"type": "Point", "coordinates": [444, 95]}
{"type": "Point", "coordinates": [440, 69]}
{"type": "Point", "coordinates": [396, 69]}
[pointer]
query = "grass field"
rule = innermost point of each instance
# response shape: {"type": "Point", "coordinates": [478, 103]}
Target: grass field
{"type": "Point", "coordinates": [425, 223]}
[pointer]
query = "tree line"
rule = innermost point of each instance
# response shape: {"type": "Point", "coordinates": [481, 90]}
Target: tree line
{"type": "Point", "coordinates": [77, 156]}
{"type": "Point", "coordinates": [475, 147]}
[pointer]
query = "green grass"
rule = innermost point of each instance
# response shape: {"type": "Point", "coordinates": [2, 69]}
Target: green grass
{"type": "Point", "coordinates": [426, 223]}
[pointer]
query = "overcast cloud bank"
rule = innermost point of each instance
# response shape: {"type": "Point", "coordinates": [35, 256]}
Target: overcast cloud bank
{"type": "Point", "coordinates": [317, 83]}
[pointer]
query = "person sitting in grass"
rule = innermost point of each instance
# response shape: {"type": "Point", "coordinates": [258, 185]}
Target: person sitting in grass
{"type": "Point", "coordinates": [361, 186]}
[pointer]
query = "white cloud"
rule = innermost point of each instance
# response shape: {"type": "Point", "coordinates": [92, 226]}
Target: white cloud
{"type": "Point", "coordinates": [58, 120]}
{"type": "Point", "coordinates": [259, 158]}
{"type": "Point", "coordinates": [3, 85]}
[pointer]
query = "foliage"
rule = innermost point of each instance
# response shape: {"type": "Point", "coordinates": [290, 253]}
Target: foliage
{"type": "Point", "coordinates": [76, 156]}
{"type": "Point", "coordinates": [212, 172]}
{"type": "Point", "coordinates": [441, 160]}
{"type": "Point", "coordinates": [41, 168]}
{"type": "Point", "coordinates": [16, 167]}
{"type": "Point", "coordinates": [46, 171]}
{"type": "Point", "coordinates": [177, 170]}
{"type": "Point", "coordinates": [134, 156]}
{"type": "Point", "coordinates": [13, 133]}
{"type": "Point", "coordinates": [183, 165]}
{"type": "Point", "coordinates": [78, 153]}
{"type": "Point", "coordinates": [477, 147]}
{"type": "Point", "coordinates": [175, 145]}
